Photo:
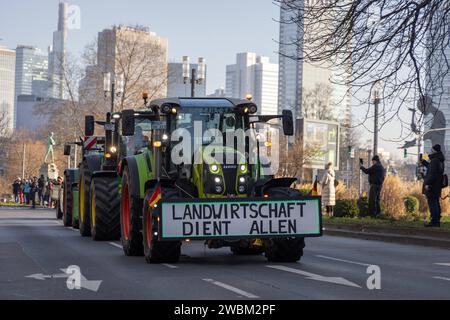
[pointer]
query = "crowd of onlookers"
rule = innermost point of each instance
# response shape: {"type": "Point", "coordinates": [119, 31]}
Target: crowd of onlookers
{"type": "Point", "coordinates": [35, 190]}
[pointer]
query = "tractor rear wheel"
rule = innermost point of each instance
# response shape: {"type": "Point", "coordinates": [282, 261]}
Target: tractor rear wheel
{"type": "Point", "coordinates": [284, 249]}
{"type": "Point", "coordinates": [156, 251]}
{"type": "Point", "coordinates": [84, 205]}
{"type": "Point", "coordinates": [67, 213]}
{"type": "Point", "coordinates": [105, 208]}
{"type": "Point", "coordinates": [130, 219]}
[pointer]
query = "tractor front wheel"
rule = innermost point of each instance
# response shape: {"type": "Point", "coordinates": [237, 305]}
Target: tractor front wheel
{"type": "Point", "coordinates": [130, 219]}
{"type": "Point", "coordinates": [67, 213]}
{"type": "Point", "coordinates": [284, 249]}
{"type": "Point", "coordinates": [156, 251]}
{"type": "Point", "coordinates": [105, 208]}
{"type": "Point", "coordinates": [84, 205]}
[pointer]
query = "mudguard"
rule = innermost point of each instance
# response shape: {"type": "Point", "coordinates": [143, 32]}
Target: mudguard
{"type": "Point", "coordinates": [140, 173]}
{"type": "Point", "coordinates": [93, 162]}
{"type": "Point", "coordinates": [261, 186]}
{"type": "Point", "coordinates": [108, 173]}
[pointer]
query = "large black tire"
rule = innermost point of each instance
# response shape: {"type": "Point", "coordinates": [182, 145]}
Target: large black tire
{"type": "Point", "coordinates": [67, 214]}
{"type": "Point", "coordinates": [130, 219]}
{"type": "Point", "coordinates": [156, 251]}
{"type": "Point", "coordinates": [105, 208]}
{"type": "Point", "coordinates": [84, 203]}
{"type": "Point", "coordinates": [284, 249]}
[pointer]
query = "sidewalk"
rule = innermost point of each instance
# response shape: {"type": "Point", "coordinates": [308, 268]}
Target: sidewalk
{"type": "Point", "coordinates": [425, 237]}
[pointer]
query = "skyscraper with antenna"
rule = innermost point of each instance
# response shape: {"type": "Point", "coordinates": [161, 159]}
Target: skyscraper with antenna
{"type": "Point", "coordinates": [57, 55]}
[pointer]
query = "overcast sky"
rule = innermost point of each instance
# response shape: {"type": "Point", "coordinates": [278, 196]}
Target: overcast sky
{"type": "Point", "coordinates": [214, 29]}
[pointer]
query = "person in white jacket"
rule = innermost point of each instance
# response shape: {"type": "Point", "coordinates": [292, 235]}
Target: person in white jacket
{"type": "Point", "coordinates": [328, 189]}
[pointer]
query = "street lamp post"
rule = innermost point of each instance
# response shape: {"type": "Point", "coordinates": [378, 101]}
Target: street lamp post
{"type": "Point", "coordinates": [115, 87]}
{"type": "Point", "coordinates": [194, 76]}
{"type": "Point", "coordinates": [376, 102]}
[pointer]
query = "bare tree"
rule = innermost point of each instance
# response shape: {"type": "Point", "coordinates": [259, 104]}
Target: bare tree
{"type": "Point", "coordinates": [295, 155]}
{"type": "Point", "coordinates": [317, 103]}
{"type": "Point", "coordinates": [397, 43]}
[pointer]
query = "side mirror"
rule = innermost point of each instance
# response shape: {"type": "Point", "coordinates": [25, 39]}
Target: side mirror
{"type": "Point", "coordinates": [288, 123]}
{"type": "Point", "coordinates": [128, 122]}
{"type": "Point", "coordinates": [67, 149]}
{"type": "Point", "coordinates": [89, 126]}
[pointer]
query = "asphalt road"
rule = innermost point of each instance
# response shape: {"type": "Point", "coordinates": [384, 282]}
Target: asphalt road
{"type": "Point", "coordinates": [36, 250]}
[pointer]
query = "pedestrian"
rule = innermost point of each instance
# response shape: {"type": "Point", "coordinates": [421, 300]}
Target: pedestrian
{"type": "Point", "coordinates": [34, 192]}
{"type": "Point", "coordinates": [328, 189]}
{"type": "Point", "coordinates": [21, 185]}
{"type": "Point", "coordinates": [41, 189]}
{"type": "Point", "coordinates": [50, 193]}
{"type": "Point", "coordinates": [15, 187]}
{"type": "Point", "coordinates": [376, 175]}
{"type": "Point", "coordinates": [26, 191]}
{"type": "Point", "coordinates": [432, 184]}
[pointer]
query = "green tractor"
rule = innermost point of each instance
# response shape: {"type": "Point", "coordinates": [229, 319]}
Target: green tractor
{"type": "Point", "coordinates": [69, 193]}
{"type": "Point", "coordinates": [179, 187]}
{"type": "Point", "coordinates": [100, 198]}
{"type": "Point", "coordinates": [99, 184]}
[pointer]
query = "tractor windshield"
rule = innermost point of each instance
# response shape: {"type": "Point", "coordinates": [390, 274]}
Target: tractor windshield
{"type": "Point", "coordinates": [198, 120]}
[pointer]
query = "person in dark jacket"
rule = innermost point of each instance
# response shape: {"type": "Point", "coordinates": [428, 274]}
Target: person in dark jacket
{"type": "Point", "coordinates": [34, 190]}
{"type": "Point", "coordinates": [16, 187]}
{"type": "Point", "coordinates": [432, 184]}
{"type": "Point", "coordinates": [376, 175]}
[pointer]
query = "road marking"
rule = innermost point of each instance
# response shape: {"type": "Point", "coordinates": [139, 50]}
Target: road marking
{"type": "Point", "coordinates": [317, 277]}
{"type": "Point", "coordinates": [443, 264]}
{"type": "Point", "coordinates": [171, 266]}
{"type": "Point", "coordinates": [233, 289]}
{"type": "Point", "coordinates": [115, 245]}
{"type": "Point", "coordinates": [342, 260]}
{"type": "Point", "coordinates": [58, 222]}
{"type": "Point", "coordinates": [442, 278]}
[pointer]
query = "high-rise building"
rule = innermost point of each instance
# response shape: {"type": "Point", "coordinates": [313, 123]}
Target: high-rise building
{"type": "Point", "coordinates": [31, 72]}
{"type": "Point", "coordinates": [178, 87]}
{"type": "Point", "coordinates": [218, 93]}
{"type": "Point", "coordinates": [297, 77]}
{"type": "Point", "coordinates": [437, 111]}
{"type": "Point", "coordinates": [255, 75]}
{"type": "Point", "coordinates": [7, 81]}
{"type": "Point", "coordinates": [139, 56]}
{"type": "Point", "coordinates": [57, 55]}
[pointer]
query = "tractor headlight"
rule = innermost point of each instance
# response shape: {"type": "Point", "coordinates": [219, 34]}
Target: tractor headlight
{"type": "Point", "coordinates": [242, 184]}
{"type": "Point", "coordinates": [242, 180]}
{"type": "Point", "coordinates": [219, 189]}
{"type": "Point", "coordinates": [241, 189]}
{"type": "Point", "coordinates": [217, 180]}
{"type": "Point", "coordinates": [214, 168]}
{"type": "Point", "coordinates": [113, 149]}
{"type": "Point", "coordinates": [243, 168]}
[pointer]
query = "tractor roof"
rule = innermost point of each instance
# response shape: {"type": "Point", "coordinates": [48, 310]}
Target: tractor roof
{"type": "Point", "coordinates": [202, 102]}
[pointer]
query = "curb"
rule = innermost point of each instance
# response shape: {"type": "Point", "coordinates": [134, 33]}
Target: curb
{"type": "Point", "coordinates": [389, 237]}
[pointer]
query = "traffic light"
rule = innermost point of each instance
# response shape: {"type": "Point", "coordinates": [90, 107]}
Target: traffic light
{"type": "Point", "coordinates": [405, 153]}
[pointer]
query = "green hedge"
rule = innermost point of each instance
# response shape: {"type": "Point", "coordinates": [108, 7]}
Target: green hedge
{"type": "Point", "coordinates": [411, 205]}
{"type": "Point", "coordinates": [363, 207]}
{"type": "Point", "coordinates": [346, 208]}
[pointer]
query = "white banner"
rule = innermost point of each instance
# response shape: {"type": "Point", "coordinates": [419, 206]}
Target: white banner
{"type": "Point", "coordinates": [251, 218]}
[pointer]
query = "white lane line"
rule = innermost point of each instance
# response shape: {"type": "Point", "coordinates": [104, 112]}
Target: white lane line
{"type": "Point", "coordinates": [115, 245]}
{"type": "Point", "coordinates": [317, 277]}
{"type": "Point", "coordinates": [171, 266]}
{"type": "Point", "coordinates": [442, 278]}
{"type": "Point", "coordinates": [231, 288]}
{"type": "Point", "coordinates": [343, 260]}
{"type": "Point", "coordinates": [443, 264]}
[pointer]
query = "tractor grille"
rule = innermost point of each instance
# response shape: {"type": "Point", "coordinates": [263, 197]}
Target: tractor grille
{"type": "Point", "coordinates": [229, 173]}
